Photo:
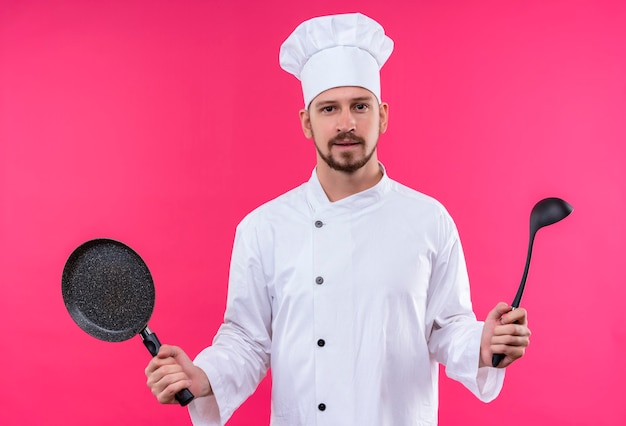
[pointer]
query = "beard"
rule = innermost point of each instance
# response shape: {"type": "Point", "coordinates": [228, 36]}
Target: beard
{"type": "Point", "coordinates": [347, 161]}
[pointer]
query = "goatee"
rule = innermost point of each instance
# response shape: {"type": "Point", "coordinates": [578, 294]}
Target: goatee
{"type": "Point", "coordinates": [349, 164]}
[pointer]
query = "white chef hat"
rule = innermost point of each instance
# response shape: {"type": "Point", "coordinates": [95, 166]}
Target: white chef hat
{"type": "Point", "coordinates": [337, 50]}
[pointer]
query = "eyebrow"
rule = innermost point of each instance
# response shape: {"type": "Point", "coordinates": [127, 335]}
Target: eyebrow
{"type": "Point", "coordinates": [322, 103]}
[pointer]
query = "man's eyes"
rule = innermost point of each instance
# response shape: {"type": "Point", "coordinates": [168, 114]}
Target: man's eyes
{"type": "Point", "coordinates": [356, 107]}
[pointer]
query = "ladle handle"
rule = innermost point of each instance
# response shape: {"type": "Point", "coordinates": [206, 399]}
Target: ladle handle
{"type": "Point", "coordinates": [151, 341]}
{"type": "Point", "coordinates": [496, 359]}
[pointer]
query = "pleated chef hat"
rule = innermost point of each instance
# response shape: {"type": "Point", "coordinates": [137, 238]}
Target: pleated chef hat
{"type": "Point", "coordinates": [337, 50]}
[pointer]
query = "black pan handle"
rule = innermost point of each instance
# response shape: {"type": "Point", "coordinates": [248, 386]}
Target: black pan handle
{"type": "Point", "coordinates": [151, 341]}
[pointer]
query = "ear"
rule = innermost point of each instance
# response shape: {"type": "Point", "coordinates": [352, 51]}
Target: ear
{"type": "Point", "coordinates": [305, 121]}
{"type": "Point", "coordinates": [384, 117]}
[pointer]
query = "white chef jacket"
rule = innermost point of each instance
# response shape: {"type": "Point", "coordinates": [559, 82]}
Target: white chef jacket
{"type": "Point", "coordinates": [353, 304]}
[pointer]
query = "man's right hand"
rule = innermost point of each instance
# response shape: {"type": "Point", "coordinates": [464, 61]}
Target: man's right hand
{"type": "Point", "coordinates": [171, 371]}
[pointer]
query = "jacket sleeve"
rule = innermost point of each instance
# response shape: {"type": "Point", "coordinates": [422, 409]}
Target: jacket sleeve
{"type": "Point", "coordinates": [455, 333]}
{"type": "Point", "coordinates": [240, 355]}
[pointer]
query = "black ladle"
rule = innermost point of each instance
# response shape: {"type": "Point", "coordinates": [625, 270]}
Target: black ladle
{"type": "Point", "coordinates": [546, 212]}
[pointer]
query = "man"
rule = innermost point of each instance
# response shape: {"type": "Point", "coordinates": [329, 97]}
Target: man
{"type": "Point", "coordinates": [351, 287]}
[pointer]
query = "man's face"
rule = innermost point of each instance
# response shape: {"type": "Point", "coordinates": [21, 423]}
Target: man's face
{"type": "Point", "coordinates": [345, 124]}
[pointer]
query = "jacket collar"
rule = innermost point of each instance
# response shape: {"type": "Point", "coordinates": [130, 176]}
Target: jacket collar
{"type": "Point", "coordinates": [319, 202]}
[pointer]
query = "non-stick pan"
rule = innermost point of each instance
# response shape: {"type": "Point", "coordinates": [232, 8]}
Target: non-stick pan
{"type": "Point", "coordinates": [108, 291]}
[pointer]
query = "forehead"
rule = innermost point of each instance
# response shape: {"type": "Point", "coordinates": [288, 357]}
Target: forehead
{"type": "Point", "coordinates": [343, 94]}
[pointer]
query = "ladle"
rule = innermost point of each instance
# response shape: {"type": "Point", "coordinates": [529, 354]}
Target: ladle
{"type": "Point", "coordinates": [546, 212]}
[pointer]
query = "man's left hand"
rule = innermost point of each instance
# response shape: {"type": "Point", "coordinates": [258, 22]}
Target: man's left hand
{"type": "Point", "coordinates": [505, 332]}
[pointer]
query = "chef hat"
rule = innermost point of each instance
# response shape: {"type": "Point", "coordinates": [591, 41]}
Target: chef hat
{"type": "Point", "coordinates": [337, 50]}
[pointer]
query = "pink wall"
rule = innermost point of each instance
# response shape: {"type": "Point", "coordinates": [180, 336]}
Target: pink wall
{"type": "Point", "coordinates": [162, 123]}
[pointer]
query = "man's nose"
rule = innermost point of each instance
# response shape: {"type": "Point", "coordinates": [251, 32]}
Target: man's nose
{"type": "Point", "coordinates": [346, 121]}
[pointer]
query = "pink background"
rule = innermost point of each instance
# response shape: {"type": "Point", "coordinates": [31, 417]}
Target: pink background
{"type": "Point", "coordinates": [162, 123]}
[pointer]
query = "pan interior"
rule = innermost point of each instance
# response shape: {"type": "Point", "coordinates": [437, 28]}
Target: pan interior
{"type": "Point", "coordinates": [108, 290]}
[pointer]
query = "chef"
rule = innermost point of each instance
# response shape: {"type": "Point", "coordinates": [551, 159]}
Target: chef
{"type": "Point", "coordinates": [352, 287]}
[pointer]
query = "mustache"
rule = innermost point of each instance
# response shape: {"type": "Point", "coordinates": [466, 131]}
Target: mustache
{"type": "Point", "coordinates": [343, 136]}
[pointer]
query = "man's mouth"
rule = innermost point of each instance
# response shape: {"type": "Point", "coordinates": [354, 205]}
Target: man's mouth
{"type": "Point", "coordinates": [346, 143]}
{"type": "Point", "coordinates": [346, 140]}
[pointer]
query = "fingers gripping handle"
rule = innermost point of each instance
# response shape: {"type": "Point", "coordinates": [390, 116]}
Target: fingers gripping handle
{"type": "Point", "coordinates": [151, 341]}
{"type": "Point", "coordinates": [496, 359]}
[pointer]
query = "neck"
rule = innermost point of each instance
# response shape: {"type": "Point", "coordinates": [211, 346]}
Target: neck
{"type": "Point", "coordinates": [338, 185]}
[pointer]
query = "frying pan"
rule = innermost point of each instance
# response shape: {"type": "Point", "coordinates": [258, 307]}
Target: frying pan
{"type": "Point", "coordinates": [108, 291]}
